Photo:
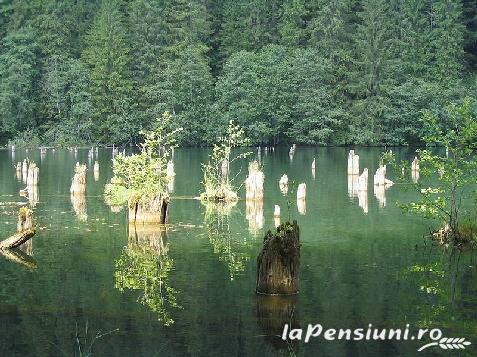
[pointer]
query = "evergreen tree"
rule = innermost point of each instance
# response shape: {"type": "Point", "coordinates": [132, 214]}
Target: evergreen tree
{"type": "Point", "coordinates": [107, 57]}
{"type": "Point", "coordinates": [18, 70]}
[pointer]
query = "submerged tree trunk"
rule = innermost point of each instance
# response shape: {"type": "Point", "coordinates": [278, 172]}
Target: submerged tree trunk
{"type": "Point", "coordinates": [278, 263]}
{"type": "Point", "coordinates": [144, 210]}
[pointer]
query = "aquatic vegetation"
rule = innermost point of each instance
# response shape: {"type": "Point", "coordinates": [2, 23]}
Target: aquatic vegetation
{"type": "Point", "coordinates": [446, 181]}
{"type": "Point", "coordinates": [217, 184]}
{"type": "Point", "coordinates": [142, 177]}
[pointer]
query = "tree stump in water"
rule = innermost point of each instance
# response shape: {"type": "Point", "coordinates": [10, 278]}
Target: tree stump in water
{"type": "Point", "coordinates": [278, 263]}
{"type": "Point", "coordinates": [25, 230]}
{"type": "Point", "coordinates": [145, 210]}
{"type": "Point", "coordinates": [78, 184]}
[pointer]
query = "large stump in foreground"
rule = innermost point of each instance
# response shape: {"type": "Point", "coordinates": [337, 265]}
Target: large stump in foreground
{"type": "Point", "coordinates": [279, 262]}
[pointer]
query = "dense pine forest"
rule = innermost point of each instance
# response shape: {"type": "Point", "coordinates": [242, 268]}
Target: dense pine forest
{"type": "Point", "coordinates": [305, 71]}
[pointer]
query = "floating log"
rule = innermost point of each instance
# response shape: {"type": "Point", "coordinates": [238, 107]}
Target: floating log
{"type": "Point", "coordinates": [78, 184]}
{"type": "Point", "coordinates": [25, 230]}
{"type": "Point", "coordinates": [17, 239]}
{"type": "Point", "coordinates": [279, 261]}
{"type": "Point", "coordinates": [353, 163]}
{"type": "Point", "coordinates": [254, 182]}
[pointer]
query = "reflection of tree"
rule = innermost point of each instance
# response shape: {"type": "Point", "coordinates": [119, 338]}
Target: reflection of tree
{"type": "Point", "coordinates": [145, 266]}
{"type": "Point", "coordinates": [436, 281]}
{"type": "Point", "coordinates": [227, 247]}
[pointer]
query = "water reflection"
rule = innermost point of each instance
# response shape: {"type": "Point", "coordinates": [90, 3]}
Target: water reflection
{"type": "Point", "coordinates": [380, 194]}
{"type": "Point", "coordinates": [79, 206]}
{"type": "Point", "coordinates": [230, 249]}
{"type": "Point", "coordinates": [144, 266]}
{"type": "Point", "coordinates": [254, 215]}
{"type": "Point", "coordinates": [273, 312]}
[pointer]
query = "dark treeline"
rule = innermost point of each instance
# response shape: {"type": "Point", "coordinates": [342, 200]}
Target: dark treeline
{"type": "Point", "coordinates": [305, 71]}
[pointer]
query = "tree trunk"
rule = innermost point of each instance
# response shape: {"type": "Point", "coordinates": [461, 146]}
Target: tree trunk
{"type": "Point", "coordinates": [278, 263]}
{"type": "Point", "coordinates": [17, 239]}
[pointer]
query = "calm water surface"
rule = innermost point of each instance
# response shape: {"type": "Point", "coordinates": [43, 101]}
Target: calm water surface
{"type": "Point", "coordinates": [190, 291]}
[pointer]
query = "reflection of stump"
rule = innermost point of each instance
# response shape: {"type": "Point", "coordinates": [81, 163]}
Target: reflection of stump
{"type": "Point", "coordinates": [96, 171]}
{"type": "Point", "coordinates": [148, 236]}
{"type": "Point", "coordinates": [79, 206]}
{"type": "Point", "coordinates": [143, 210]}
{"type": "Point", "coordinates": [273, 312]}
{"type": "Point", "coordinates": [254, 215]}
{"type": "Point", "coordinates": [279, 261]}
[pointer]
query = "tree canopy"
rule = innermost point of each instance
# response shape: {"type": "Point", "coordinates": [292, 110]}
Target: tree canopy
{"type": "Point", "coordinates": [311, 72]}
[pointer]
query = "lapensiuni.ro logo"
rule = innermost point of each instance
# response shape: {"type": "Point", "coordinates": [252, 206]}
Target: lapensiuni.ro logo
{"type": "Point", "coordinates": [433, 337]}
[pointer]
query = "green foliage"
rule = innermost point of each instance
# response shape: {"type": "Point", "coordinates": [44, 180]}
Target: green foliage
{"type": "Point", "coordinates": [143, 175]}
{"type": "Point", "coordinates": [230, 249]}
{"type": "Point", "coordinates": [447, 180]}
{"type": "Point", "coordinates": [107, 57]}
{"type": "Point", "coordinates": [217, 185]}
{"type": "Point", "coordinates": [142, 269]}
{"type": "Point", "coordinates": [311, 72]}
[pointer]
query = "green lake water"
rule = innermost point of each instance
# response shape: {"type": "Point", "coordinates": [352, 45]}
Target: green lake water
{"type": "Point", "coordinates": [190, 291]}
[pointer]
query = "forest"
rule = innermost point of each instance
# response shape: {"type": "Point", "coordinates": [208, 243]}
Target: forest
{"type": "Point", "coordinates": [313, 72]}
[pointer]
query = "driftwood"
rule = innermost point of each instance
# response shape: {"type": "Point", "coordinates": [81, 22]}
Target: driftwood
{"type": "Point", "coordinates": [279, 261]}
{"type": "Point", "coordinates": [17, 239]}
{"type": "Point", "coordinates": [25, 230]}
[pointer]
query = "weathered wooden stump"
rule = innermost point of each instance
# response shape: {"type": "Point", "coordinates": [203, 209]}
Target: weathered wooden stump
{"type": "Point", "coordinates": [149, 210]}
{"type": "Point", "coordinates": [254, 182]}
{"type": "Point", "coordinates": [279, 261]}
{"type": "Point", "coordinates": [25, 230]}
{"type": "Point", "coordinates": [78, 184]}
{"type": "Point", "coordinates": [283, 184]}
{"type": "Point", "coordinates": [353, 163]}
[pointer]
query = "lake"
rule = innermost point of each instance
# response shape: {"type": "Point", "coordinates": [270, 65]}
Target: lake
{"type": "Point", "coordinates": [89, 282]}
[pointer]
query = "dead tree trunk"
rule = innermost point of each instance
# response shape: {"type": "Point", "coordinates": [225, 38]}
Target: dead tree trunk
{"type": "Point", "coordinates": [278, 263]}
{"type": "Point", "coordinates": [25, 230]}
{"type": "Point", "coordinates": [146, 210]}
